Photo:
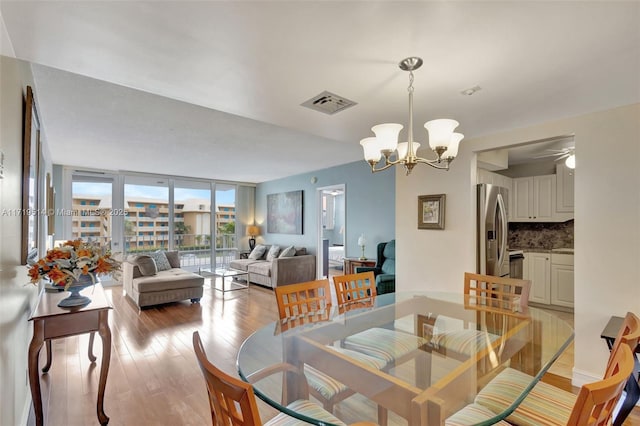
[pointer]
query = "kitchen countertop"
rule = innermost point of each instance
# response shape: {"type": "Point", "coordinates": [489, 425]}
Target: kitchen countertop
{"type": "Point", "coordinates": [543, 250]}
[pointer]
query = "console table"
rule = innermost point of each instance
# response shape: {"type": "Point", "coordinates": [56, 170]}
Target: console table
{"type": "Point", "coordinates": [350, 264]}
{"type": "Point", "coordinates": [52, 322]}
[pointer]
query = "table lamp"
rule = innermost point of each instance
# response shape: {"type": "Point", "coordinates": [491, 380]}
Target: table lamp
{"type": "Point", "coordinates": [253, 231]}
{"type": "Point", "coordinates": [361, 242]}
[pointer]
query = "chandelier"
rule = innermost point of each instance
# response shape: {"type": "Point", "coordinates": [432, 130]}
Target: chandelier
{"type": "Point", "coordinates": [442, 140]}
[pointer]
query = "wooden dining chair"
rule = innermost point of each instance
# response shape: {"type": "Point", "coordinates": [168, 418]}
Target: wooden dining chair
{"type": "Point", "coordinates": [548, 405]}
{"type": "Point", "coordinates": [233, 402]}
{"type": "Point", "coordinates": [310, 301]}
{"type": "Point", "coordinates": [355, 290]}
{"type": "Point", "coordinates": [489, 295]}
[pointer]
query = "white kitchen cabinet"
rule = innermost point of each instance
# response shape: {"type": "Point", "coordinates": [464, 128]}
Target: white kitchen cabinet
{"type": "Point", "coordinates": [536, 268]}
{"type": "Point", "coordinates": [534, 199]}
{"type": "Point", "coordinates": [564, 191]}
{"type": "Point", "coordinates": [562, 280]}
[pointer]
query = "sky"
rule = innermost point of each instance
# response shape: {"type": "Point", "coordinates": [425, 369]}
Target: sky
{"type": "Point", "coordinates": [155, 192]}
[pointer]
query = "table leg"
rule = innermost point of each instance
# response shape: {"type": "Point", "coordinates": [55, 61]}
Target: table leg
{"type": "Point", "coordinates": [105, 334]}
{"type": "Point", "coordinates": [34, 374]}
{"type": "Point", "coordinates": [49, 357]}
{"type": "Point", "coordinates": [92, 357]}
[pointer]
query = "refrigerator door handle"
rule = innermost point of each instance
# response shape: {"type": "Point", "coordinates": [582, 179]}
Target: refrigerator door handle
{"type": "Point", "coordinates": [505, 230]}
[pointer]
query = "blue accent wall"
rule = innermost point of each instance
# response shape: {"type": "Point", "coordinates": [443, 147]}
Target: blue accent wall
{"type": "Point", "coordinates": [370, 206]}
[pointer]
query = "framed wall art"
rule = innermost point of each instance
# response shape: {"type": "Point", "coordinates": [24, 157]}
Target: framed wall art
{"type": "Point", "coordinates": [431, 211]}
{"type": "Point", "coordinates": [30, 167]}
{"type": "Point", "coordinates": [284, 213]}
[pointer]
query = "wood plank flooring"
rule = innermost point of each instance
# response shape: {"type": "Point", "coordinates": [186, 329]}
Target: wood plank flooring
{"type": "Point", "coordinates": [154, 378]}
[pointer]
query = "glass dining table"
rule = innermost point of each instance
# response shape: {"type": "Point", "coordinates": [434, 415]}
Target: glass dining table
{"type": "Point", "coordinates": [461, 343]}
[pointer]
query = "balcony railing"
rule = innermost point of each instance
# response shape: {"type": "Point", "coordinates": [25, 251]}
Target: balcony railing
{"type": "Point", "coordinates": [194, 249]}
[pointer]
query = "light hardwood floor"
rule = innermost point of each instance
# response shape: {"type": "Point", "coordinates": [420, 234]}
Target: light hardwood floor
{"type": "Point", "coordinates": [154, 378]}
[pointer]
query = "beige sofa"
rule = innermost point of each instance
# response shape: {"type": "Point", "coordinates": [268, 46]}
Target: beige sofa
{"type": "Point", "coordinates": [279, 271]}
{"type": "Point", "coordinates": [172, 285]}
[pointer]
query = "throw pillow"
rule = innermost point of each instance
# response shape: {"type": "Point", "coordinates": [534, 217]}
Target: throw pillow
{"type": "Point", "coordinates": [146, 265]}
{"type": "Point", "coordinates": [273, 253]}
{"type": "Point", "coordinates": [257, 252]}
{"type": "Point", "coordinates": [288, 252]}
{"type": "Point", "coordinates": [174, 258]}
{"type": "Point", "coordinates": [162, 263]}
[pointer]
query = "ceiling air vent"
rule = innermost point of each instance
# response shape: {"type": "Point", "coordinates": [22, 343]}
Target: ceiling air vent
{"type": "Point", "coordinates": [328, 102]}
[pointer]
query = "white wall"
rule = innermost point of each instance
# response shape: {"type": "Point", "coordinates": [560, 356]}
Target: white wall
{"type": "Point", "coordinates": [17, 298]}
{"type": "Point", "coordinates": [607, 223]}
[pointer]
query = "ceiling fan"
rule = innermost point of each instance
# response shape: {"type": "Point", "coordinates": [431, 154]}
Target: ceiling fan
{"type": "Point", "coordinates": [568, 154]}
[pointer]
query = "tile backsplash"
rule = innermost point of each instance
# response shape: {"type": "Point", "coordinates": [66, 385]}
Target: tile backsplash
{"type": "Point", "coordinates": [536, 235]}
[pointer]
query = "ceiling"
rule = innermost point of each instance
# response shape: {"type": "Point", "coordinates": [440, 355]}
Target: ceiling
{"type": "Point", "coordinates": [213, 89]}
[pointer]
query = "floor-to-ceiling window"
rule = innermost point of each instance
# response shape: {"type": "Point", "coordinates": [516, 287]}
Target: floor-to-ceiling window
{"type": "Point", "coordinates": [192, 234]}
{"type": "Point", "coordinates": [225, 224]}
{"type": "Point", "coordinates": [92, 209]}
{"type": "Point", "coordinates": [138, 213]}
{"type": "Point", "coordinates": [146, 224]}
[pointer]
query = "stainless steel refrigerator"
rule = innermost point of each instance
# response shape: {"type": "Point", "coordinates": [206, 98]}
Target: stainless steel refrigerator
{"type": "Point", "coordinates": [493, 227]}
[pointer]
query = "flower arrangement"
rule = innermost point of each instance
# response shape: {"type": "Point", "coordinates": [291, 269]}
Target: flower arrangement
{"type": "Point", "coordinates": [65, 264]}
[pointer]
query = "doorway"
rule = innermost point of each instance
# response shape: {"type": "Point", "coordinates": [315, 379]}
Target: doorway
{"type": "Point", "coordinates": [331, 230]}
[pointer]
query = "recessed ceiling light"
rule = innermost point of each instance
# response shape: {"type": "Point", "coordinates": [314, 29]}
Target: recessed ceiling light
{"type": "Point", "coordinates": [470, 91]}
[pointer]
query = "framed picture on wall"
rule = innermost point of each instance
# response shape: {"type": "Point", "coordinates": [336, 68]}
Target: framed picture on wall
{"type": "Point", "coordinates": [31, 155]}
{"type": "Point", "coordinates": [284, 213]}
{"type": "Point", "coordinates": [431, 211]}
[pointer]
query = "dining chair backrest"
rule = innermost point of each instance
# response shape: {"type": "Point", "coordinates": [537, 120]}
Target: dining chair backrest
{"type": "Point", "coordinates": [232, 401]}
{"type": "Point", "coordinates": [497, 292]}
{"type": "Point", "coordinates": [355, 290]}
{"type": "Point", "coordinates": [303, 299]}
{"type": "Point", "coordinates": [596, 401]}
{"type": "Point", "coordinates": [628, 334]}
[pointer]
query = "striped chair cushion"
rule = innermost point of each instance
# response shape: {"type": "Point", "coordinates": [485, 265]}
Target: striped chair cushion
{"type": "Point", "coordinates": [544, 405]}
{"type": "Point", "coordinates": [472, 414]}
{"type": "Point", "coordinates": [370, 361]}
{"type": "Point", "coordinates": [329, 387]}
{"type": "Point", "coordinates": [385, 344]}
{"type": "Point", "coordinates": [467, 342]}
{"type": "Point", "coordinates": [306, 408]}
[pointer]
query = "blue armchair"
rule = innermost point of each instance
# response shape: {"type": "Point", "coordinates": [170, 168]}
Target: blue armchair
{"type": "Point", "coordinates": [385, 269]}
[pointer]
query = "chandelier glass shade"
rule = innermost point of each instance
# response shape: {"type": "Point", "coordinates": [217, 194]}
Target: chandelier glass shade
{"type": "Point", "coordinates": [442, 139]}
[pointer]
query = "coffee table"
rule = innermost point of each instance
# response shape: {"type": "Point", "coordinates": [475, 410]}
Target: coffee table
{"type": "Point", "coordinates": [225, 273]}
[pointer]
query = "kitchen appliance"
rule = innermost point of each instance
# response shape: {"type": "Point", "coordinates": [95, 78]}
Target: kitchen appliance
{"type": "Point", "coordinates": [516, 263]}
{"type": "Point", "coordinates": [493, 256]}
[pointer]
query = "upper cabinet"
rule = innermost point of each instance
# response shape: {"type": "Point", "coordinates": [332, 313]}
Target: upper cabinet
{"type": "Point", "coordinates": [564, 193]}
{"type": "Point", "coordinates": [534, 199]}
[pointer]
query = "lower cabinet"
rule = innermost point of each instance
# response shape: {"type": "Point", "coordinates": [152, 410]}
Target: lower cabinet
{"type": "Point", "coordinates": [536, 268]}
{"type": "Point", "coordinates": [562, 280]}
{"type": "Point", "coordinates": [551, 278]}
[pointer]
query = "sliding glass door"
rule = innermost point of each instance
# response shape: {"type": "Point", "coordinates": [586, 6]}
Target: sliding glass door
{"type": "Point", "coordinates": [225, 224]}
{"type": "Point", "coordinates": [146, 225]}
{"type": "Point", "coordinates": [192, 223]}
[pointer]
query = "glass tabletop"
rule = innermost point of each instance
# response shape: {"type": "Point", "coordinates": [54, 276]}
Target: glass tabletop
{"type": "Point", "coordinates": [445, 348]}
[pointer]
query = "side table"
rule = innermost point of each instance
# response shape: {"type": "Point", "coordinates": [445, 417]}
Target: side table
{"type": "Point", "coordinates": [350, 264]}
{"type": "Point", "coordinates": [52, 322]}
{"type": "Point", "coordinates": [632, 387]}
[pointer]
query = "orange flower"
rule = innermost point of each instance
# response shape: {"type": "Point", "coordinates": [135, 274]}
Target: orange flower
{"type": "Point", "coordinates": [84, 253]}
{"type": "Point", "coordinates": [57, 276]}
{"type": "Point", "coordinates": [85, 270]}
{"type": "Point", "coordinates": [75, 243]}
{"type": "Point", "coordinates": [34, 273]}
{"type": "Point", "coordinates": [103, 266]}
{"type": "Point", "coordinates": [57, 254]}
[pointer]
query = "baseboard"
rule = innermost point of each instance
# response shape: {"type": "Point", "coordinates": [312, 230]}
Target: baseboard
{"type": "Point", "coordinates": [24, 420]}
{"type": "Point", "coordinates": [580, 378]}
